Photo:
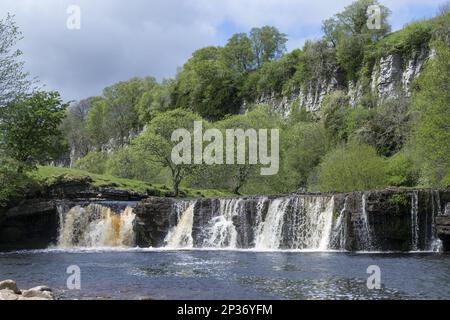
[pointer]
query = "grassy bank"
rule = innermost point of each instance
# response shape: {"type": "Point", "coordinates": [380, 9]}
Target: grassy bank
{"type": "Point", "coordinates": [47, 176]}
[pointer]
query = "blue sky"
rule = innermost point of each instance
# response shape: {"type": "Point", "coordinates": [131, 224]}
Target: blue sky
{"type": "Point", "coordinates": [122, 39]}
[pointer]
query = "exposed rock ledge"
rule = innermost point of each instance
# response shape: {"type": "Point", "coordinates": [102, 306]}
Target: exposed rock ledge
{"type": "Point", "coordinates": [10, 291]}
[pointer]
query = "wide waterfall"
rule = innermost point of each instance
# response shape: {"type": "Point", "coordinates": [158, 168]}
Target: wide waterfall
{"type": "Point", "coordinates": [343, 222]}
{"type": "Point", "coordinates": [95, 225]}
{"type": "Point", "coordinates": [293, 222]}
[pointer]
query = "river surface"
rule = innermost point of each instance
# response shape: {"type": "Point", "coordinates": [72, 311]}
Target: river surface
{"type": "Point", "coordinates": [216, 274]}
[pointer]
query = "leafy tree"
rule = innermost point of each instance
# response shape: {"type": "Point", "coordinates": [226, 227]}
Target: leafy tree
{"type": "Point", "coordinates": [13, 80]}
{"type": "Point", "coordinates": [402, 170]}
{"type": "Point", "coordinates": [268, 44]}
{"type": "Point", "coordinates": [432, 126]}
{"type": "Point", "coordinates": [304, 145]}
{"type": "Point", "coordinates": [29, 128]}
{"type": "Point", "coordinates": [207, 86]}
{"type": "Point", "coordinates": [351, 167]}
{"type": "Point", "coordinates": [348, 32]}
{"type": "Point", "coordinates": [157, 142]}
{"type": "Point", "coordinates": [11, 180]}
{"type": "Point", "coordinates": [238, 54]}
{"type": "Point", "coordinates": [96, 125]}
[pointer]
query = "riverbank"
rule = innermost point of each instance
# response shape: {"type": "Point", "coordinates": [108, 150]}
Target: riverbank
{"type": "Point", "coordinates": [10, 291]}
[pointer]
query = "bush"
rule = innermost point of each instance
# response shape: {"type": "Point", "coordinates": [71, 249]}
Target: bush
{"type": "Point", "coordinates": [94, 162]}
{"type": "Point", "coordinates": [401, 171]}
{"type": "Point", "coordinates": [352, 167]}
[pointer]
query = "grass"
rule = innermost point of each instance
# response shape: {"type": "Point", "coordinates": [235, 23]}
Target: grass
{"type": "Point", "coordinates": [47, 176]}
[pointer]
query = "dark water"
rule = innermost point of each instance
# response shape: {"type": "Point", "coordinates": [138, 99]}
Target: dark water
{"type": "Point", "coordinates": [140, 274]}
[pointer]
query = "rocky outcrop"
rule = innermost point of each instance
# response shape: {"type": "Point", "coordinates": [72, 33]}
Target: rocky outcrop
{"type": "Point", "coordinates": [391, 77]}
{"type": "Point", "coordinates": [10, 291]}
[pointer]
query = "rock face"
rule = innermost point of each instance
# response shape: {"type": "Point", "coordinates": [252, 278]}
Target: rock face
{"type": "Point", "coordinates": [390, 77]}
{"type": "Point", "coordinates": [9, 291]}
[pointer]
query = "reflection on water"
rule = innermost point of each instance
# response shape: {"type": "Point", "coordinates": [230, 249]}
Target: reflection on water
{"type": "Point", "coordinates": [137, 274]}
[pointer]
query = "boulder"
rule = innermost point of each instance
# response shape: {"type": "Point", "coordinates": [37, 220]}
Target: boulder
{"type": "Point", "coordinates": [6, 294]}
{"type": "Point", "coordinates": [9, 285]}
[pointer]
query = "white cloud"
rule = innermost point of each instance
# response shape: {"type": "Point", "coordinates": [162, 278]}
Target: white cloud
{"type": "Point", "coordinates": [119, 39]}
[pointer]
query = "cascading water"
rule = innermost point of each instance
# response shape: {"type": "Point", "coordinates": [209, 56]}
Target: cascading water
{"type": "Point", "coordinates": [270, 235]}
{"type": "Point", "coordinates": [415, 221]}
{"type": "Point", "coordinates": [181, 235]}
{"type": "Point", "coordinates": [364, 231]}
{"type": "Point", "coordinates": [221, 232]}
{"type": "Point", "coordinates": [339, 233]}
{"type": "Point", "coordinates": [95, 226]}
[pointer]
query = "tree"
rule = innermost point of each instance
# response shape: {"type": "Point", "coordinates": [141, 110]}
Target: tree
{"type": "Point", "coordinates": [97, 124]}
{"type": "Point", "coordinates": [13, 80]}
{"type": "Point", "coordinates": [30, 128]}
{"type": "Point", "coordinates": [238, 54]}
{"type": "Point", "coordinates": [122, 100]}
{"type": "Point", "coordinates": [156, 140]}
{"type": "Point", "coordinates": [206, 86]}
{"type": "Point", "coordinates": [432, 124]}
{"type": "Point", "coordinates": [11, 180]}
{"type": "Point", "coordinates": [304, 145]}
{"type": "Point", "coordinates": [351, 167]}
{"type": "Point", "coordinates": [268, 44]}
{"type": "Point", "coordinates": [348, 32]}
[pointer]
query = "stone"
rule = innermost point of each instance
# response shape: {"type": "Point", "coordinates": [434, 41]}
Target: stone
{"type": "Point", "coordinates": [9, 285]}
{"type": "Point", "coordinates": [38, 294]}
{"type": "Point", "coordinates": [6, 294]}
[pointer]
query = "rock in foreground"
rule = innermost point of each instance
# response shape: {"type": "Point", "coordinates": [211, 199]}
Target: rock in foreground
{"type": "Point", "coordinates": [10, 291]}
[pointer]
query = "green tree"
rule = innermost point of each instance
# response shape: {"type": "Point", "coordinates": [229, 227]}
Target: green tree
{"type": "Point", "coordinates": [238, 54]}
{"type": "Point", "coordinates": [157, 142]}
{"type": "Point", "coordinates": [30, 128]}
{"type": "Point", "coordinates": [268, 44]}
{"type": "Point", "coordinates": [432, 126]}
{"type": "Point", "coordinates": [93, 162]}
{"type": "Point", "coordinates": [13, 80]}
{"type": "Point", "coordinates": [11, 180]}
{"type": "Point", "coordinates": [352, 167]}
{"type": "Point", "coordinates": [97, 126]}
{"type": "Point", "coordinates": [348, 32]}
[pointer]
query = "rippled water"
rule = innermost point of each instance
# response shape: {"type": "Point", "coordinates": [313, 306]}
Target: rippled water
{"type": "Point", "coordinates": [158, 274]}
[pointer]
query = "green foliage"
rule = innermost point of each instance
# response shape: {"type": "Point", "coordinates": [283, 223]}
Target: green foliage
{"type": "Point", "coordinates": [352, 167]}
{"type": "Point", "coordinates": [131, 163]}
{"type": "Point", "coordinates": [432, 127]}
{"type": "Point", "coordinates": [14, 82]}
{"type": "Point", "coordinates": [11, 180]}
{"type": "Point", "coordinates": [398, 200]}
{"type": "Point", "coordinates": [402, 170]}
{"type": "Point", "coordinates": [156, 141]}
{"type": "Point", "coordinates": [29, 128]}
{"type": "Point", "coordinates": [348, 32]}
{"type": "Point", "coordinates": [303, 146]}
{"type": "Point", "coordinates": [94, 162]}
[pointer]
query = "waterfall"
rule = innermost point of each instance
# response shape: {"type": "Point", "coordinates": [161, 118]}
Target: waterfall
{"type": "Point", "coordinates": [415, 221]}
{"type": "Point", "coordinates": [221, 232]}
{"type": "Point", "coordinates": [435, 243]}
{"type": "Point", "coordinates": [364, 231]}
{"type": "Point", "coordinates": [270, 234]}
{"type": "Point", "coordinates": [339, 233]}
{"type": "Point", "coordinates": [95, 226]}
{"type": "Point", "coordinates": [181, 235]}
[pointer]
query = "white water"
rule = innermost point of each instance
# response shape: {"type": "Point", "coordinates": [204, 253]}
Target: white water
{"type": "Point", "coordinates": [364, 231]}
{"type": "Point", "coordinates": [271, 228]}
{"type": "Point", "coordinates": [415, 221]}
{"type": "Point", "coordinates": [95, 226]}
{"type": "Point", "coordinates": [181, 235]}
{"type": "Point", "coordinates": [221, 232]}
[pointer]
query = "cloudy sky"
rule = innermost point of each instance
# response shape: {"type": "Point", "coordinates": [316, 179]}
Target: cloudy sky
{"type": "Point", "coordinates": [122, 39]}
